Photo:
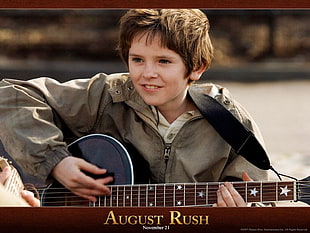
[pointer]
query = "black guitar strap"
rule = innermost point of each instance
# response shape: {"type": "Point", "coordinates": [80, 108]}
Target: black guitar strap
{"type": "Point", "coordinates": [232, 130]}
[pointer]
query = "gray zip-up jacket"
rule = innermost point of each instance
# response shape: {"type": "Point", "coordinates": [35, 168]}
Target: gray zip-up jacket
{"type": "Point", "coordinates": [40, 116]}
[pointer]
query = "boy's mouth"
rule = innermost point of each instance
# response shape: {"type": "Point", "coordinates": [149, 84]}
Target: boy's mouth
{"type": "Point", "coordinates": [151, 86]}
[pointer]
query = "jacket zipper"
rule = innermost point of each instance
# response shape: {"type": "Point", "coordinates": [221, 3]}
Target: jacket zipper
{"type": "Point", "coordinates": [167, 149]}
{"type": "Point", "coordinates": [167, 152]}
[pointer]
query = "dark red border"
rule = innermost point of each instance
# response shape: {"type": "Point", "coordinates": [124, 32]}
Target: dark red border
{"type": "Point", "coordinates": [212, 4]}
{"type": "Point", "coordinates": [99, 220]}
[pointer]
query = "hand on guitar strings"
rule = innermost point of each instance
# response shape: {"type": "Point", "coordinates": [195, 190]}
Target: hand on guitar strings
{"type": "Point", "coordinates": [70, 173]}
{"type": "Point", "coordinates": [25, 194]}
{"type": "Point", "coordinates": [227, 195]}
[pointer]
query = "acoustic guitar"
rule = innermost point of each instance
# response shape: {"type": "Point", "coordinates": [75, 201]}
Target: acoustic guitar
{"type": "Point", "coordinates": [106, 152]}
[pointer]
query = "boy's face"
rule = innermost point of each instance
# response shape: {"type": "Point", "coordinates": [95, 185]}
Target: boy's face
{"type": "Point", "coordinates": [158, 73]}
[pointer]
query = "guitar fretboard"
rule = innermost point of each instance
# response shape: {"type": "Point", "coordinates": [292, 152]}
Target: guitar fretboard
{"type": "Point", "coordinates": [13, 184]}
{"type": "Point", "coordinates": [192, 194]}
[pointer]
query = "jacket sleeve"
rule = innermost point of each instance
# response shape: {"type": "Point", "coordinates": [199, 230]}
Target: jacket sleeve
{"type": "Point", "coordinates": [33, 113]}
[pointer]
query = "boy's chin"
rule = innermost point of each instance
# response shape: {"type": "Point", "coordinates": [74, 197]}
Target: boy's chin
{"type": "Point", "coordinates": [151, 102]}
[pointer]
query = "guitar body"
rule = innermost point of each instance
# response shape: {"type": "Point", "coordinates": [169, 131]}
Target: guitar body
{"type": "Point", "coordinates": [105, 152]}
{"type": "Point", "coordinates": [102, 151]}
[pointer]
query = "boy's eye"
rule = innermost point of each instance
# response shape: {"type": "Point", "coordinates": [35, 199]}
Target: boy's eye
{"type": "Point", "coordinates": [136, 59]}
{"type": "Point", "coordinates": [164, 61]}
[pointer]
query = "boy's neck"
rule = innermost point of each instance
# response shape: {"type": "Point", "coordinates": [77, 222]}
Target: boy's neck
{"type": "Point", "coordinates": [171, 114]}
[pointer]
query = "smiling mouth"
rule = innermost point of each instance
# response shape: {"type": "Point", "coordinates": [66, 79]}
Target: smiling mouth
{"type": "Point", "coordinates": [151, 87]}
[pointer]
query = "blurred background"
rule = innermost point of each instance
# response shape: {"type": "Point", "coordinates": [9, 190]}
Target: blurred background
{"type": "Point", "coordinates": [261, 56]}
{"type": "Point", "coordinates": [75, 43]}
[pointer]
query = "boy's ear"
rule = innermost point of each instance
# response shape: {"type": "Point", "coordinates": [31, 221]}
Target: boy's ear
{"type": "Point", "coordinates": [195, 75]}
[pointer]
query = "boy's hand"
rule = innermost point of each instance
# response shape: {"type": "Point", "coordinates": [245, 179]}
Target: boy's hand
{"type": "Point", "coordinates": [69, 172]}
{"type": "Point", "coordinates": [227, 195]}
{"type": "Point", "coordinates": [30, 198]}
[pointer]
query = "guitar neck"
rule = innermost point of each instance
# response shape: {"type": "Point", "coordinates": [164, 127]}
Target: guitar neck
{"type": "Point", "coordinates": [13, 184]}
{"type": "Point", "coordinates": [193, 194]}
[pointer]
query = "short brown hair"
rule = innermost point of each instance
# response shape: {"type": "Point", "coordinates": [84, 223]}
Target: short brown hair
{"type": "Point", "coordinates": [185, 31]}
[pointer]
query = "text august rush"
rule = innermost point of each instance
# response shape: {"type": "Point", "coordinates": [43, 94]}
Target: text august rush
{"type": "Point", "coordinates": [176, 218]}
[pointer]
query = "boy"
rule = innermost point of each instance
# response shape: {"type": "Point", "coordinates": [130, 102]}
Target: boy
{"type": "Point", "coordinates": [150, 111]}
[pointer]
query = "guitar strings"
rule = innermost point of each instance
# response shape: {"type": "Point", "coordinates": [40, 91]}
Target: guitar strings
{"type": "Point", "coordinates": [119, 191]}
{"type": "Point", "coordinates": [305, 184]}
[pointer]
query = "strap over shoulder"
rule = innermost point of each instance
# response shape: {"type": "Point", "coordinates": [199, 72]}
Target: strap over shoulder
{"type": "Point", "coordinates": [231, 129]}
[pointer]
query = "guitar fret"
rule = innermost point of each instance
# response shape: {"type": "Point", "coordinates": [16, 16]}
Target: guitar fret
{"type": "Point", "coordinates": [201, 194]}
{"type": "Point", "coordinates": [143, 196]}
{"type": "Point", "coordinates": [212, 193]}
{"type": "Point", "coordinates": [139, 196]}
{"type": "Point", "coordinates": [160, 195]}
{"type": "Point", "coordinates": [169, 190]}
{"type": "Point", "coordinates": [173, 195]}
{"type": "Point", "coordinates": [120, 196]}
{"type": "Point", "coordinates": [131, 195]}
{"type": "Point", "coordinates": [253, 193]}
{"type": "Point", "coordinates": [190, 195]}
{"type": "Point", "coordinates": [241, 189]}
{"type": "Point", "coordinates": [147, 195]}
{"type": "Point", "coordinates": [195, 199]}
{"type": "Point", "coordinates": [207, 196]}
{"type": "Point", "coordinates": [184, 195]}
{"type": "Point", "coordinates": [179, 197]}
{"type": "Point", "coordinates": [164, 195]}
{"type": "Point", "coordinates": [151, 196]}
{"type": "Point", "coordinates": [135, 196]}
{"type": "Point", "coordinates": [155, 187]}
{"type": "Point", "coordinates": [286, 191]}
{"type": "Point", "coordinates": [127, 196]}
{"type": "Point", "coordinates": [115, 197]}
{"type": "Point", "coordinates": [269, 191]}
{"type": "Point", "coordinates": [111, 197]}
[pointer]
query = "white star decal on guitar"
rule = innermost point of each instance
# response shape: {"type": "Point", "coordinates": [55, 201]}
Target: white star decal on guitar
{"type": "Point", "coordinates": [284, 190]}
{"type": "Point", "coordinates": [179, 202]}
{"type": "Point", "coordinates": [253, 192]}
{"type": "Point", "coordinates": [179, 187]}
{"type": "Point", "coordinates": [201, 194]}
{"type": "Point", "coordinates": [151, 204]}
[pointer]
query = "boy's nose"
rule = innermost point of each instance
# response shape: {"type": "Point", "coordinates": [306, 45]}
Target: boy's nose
{"type": "Point", "coordinates": [150, 71]}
